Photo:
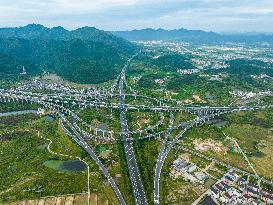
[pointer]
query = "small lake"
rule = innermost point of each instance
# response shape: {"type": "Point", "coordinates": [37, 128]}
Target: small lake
{"type": "Point", "coordinates": [50, 118]}
{"type": "Point", "coordinates": [74, 165]}
{"type": "Point", "coordinates": [23, 112]}
{"type": "Point", "coordinates": [66, 166]}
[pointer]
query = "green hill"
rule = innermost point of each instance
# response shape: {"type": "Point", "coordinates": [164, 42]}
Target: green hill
{"type": "Point", "coordinates": [85, 55]}
{"type": "Point", "coordinates": [10, 67]}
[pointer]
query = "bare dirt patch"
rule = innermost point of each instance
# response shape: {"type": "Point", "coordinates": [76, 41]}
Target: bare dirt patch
{"type": "Point", "coordinates": [52, 78]}
{"type": "Point", "coordinates": [60, 201]}
{"type": "Point", "coordinates": [198, 99]}
{"type": "Point", "coordinates": [93, 199]}
{"type": "Point", "coordinates": [41, 202]}
{"type": "Point", "coordinates": [32, 202]}
{"type": "Point", "coordinates": [69, 200]}
{"type": "Point", "coordinates": [209, 144]}
{"type": "Point", "coordinates": [81, 200]}
{"type": "Point", "coordinates": [51, 201]}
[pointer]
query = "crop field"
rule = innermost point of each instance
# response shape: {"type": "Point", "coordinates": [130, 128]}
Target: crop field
{"type": "Point", "coordinates": [73, 199]}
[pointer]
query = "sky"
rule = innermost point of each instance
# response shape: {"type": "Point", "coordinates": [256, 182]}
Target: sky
{"type": "Point", "coordinates": [209, 15]}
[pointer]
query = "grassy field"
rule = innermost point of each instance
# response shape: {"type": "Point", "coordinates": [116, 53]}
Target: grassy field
{"type": "Point", "coordinates": [142, 120]}
{"type": "Point", "coordinates": [14, 106]}
{"type": "Point", "coordinates": [23, 154]}
{"type": "Point", "coordinates": [253, 132]}
{"type": "Point", "coordinates": [146, 154]}
{"type": "Point", "coordinates": [101, 116]}
{"type": "Point", "coordinates": [23, 171]}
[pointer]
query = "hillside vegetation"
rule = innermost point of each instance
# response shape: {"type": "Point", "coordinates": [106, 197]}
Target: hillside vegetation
{"type": "Point", "coordinates": [85, 55]}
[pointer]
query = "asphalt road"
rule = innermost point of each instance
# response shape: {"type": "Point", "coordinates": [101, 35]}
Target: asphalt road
{"type": "Point", "coordinates": [58, 103]}
{"type": "Point", "coordinates": [136, 181]}
{"type": "Point", "coordinates": [76, 136]}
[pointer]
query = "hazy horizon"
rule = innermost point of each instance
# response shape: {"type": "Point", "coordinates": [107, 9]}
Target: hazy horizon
{"type": "Point", "coordinates": [221, 32]}
{"type": "Point", "coordinates": [113, 15]}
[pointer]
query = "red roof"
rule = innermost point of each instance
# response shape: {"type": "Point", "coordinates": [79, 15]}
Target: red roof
{"type": "Point", "coordinates": [228, 195]}
{"type": "Point", "coordinates": [246, 196]}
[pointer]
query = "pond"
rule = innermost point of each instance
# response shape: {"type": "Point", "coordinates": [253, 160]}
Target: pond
{"type": "Point", "coordinates": [50, 118]}
{"type": "Point", "coordinates": [218, 123]}
{"type": "Point", "coordinates": [66, 166]}
{"type": "Point", "coordinates": [74, 165]}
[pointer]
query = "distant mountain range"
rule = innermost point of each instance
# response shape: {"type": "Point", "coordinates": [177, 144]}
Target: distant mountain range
{"type": "Point", "coordinates": [193, 36]}
{"type": "Point", "coordinates": [84, 55]}
{"type": "Point", "coordinates": [89, 55]}
{"type": "Point", "coordinates": [37, 31]}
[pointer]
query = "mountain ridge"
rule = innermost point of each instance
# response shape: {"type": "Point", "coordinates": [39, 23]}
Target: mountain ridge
{"type": "Point", "coordinates": [38, 31]}
{"type": "Point", "coordinates": [85, 55]}
{"type": "Point", "coordinates": [192, 36]}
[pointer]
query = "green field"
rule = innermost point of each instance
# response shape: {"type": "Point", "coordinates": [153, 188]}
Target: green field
{"type": "Point", "coordinates": [23, 156]}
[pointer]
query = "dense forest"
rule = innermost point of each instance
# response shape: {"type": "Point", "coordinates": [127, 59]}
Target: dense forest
{"type": "Point", "coordinates": [11, 67]}
{"type": "Point", "coordinates": [245, 68]}
{"type": "Point", "coordinates": [173, 62]}
{"type": "Point", "coordinates": [169, 62]}
{"type": "Point", "coordinates": [248, 67]}
{"type": "Point", "coordinates": [37, 31]}
{"type": "Point", "coordinates": [87, 56]}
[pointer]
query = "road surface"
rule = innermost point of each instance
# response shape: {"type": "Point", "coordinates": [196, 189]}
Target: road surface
{"type": "Point", "coordinates": [135, 178]}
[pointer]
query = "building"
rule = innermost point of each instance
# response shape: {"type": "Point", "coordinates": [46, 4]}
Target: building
{"type": "Point", "coordinates": [208, 201]}
{"type": "Point", "coordinates": [214, 192]}
{"type": "Point", "coordinates": [189, 177]}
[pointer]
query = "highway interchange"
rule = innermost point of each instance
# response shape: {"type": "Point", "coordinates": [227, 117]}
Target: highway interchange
{"type": "Point", "coordinates": [136, 182]}
{"type": "Point", "coordinates": [63, 101]}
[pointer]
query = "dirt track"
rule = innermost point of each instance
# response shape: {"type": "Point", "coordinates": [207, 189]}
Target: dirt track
{"type": "Point", "coordinates": [63, 200]}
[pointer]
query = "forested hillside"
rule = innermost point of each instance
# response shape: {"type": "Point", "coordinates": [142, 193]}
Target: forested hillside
{"type": "Point", "coordinates": [172, 62]}
{"type": "Point", "coordinates": [86, 55]}
{"type": "Point", "coordinates": [10, 67]}
{"type": "Point", "coordinates": [37, 31]}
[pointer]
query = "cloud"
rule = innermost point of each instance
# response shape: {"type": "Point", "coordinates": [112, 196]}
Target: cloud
{"type": "Point", "coordinates": [54, 7]}
{"type": "Point", "coordinates": [217, 15]}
